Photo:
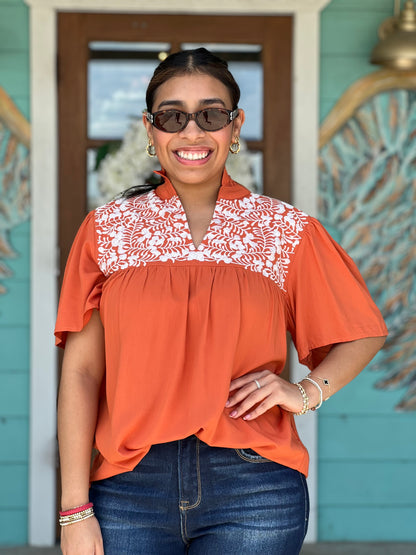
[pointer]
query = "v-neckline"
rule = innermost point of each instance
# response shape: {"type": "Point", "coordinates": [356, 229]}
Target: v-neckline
{"type": "Point", "coordinates": [229, 190]}
{"type": "Point", "coordinates": [193, 245]}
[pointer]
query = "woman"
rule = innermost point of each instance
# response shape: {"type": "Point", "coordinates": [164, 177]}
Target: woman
{"type": "Point", "coordinates": [174, 311]}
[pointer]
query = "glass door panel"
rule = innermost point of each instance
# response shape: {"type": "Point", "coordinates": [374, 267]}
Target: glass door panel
{"type": "Point", "coordinates": [118, 74]}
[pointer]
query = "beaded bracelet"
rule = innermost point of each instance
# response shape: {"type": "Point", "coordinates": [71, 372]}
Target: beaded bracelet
{"type": "Point", "coordinates": [77, 514]}
{"type": "Point", "coordinates": [305, 399]}
{"type": "Point", "coordinates": [77, 517]}
{"type": "Point", "coordinates": [76, 509]}
{"type": "Point", "coordinates": [308, 379]}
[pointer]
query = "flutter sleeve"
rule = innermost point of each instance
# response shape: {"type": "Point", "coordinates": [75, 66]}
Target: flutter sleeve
{"type": "Point", "coordinates": [328, 301]}
{"type": "Point", "coordinates": [82, 283]}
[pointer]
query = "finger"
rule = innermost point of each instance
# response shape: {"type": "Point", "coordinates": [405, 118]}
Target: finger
{"type": "Point", "coordinates": [263, 407]}
{"type": "Point", "coordinates": [241, 382]}
{"type": "Point", "coordinates": [247, 378]}
{"type": "Point", "coordinates": [242, 393]}
{"type": "Point", "coordinates": [248, 403]}
{"type": "Point", "coordinates": [247, 383]}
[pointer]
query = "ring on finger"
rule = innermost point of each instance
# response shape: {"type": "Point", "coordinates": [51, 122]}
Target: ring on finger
{"type": "Point", "coordinates": [257, 384]}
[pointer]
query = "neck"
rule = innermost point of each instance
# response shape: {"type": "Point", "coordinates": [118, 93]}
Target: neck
{"type": "Point", "coordinates": [197, 194]}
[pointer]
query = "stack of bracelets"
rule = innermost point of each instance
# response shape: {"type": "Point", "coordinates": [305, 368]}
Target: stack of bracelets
{"type": "Point", "coordinates": [305, 397]}
{"type": "Point", "coordinates": [76, 515]}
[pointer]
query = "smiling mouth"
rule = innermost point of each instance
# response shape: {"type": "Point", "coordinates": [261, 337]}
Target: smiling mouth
{"type": "Point", "coordinates": [187, 155]}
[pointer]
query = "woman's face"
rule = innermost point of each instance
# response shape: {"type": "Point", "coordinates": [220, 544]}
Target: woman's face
{"type": "Point", "coordinates": [193, 156]}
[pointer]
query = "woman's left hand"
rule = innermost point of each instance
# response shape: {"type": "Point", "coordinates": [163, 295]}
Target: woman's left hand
{"type": "Point", "coordinates": [245, 395]}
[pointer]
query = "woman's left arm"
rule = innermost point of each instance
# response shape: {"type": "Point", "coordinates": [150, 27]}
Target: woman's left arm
{"type": "Point", "coordinates": [341, 365]}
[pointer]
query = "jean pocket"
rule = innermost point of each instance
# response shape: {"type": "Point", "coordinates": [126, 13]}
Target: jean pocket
{"type": "Point", "coordinates": [251, 456]}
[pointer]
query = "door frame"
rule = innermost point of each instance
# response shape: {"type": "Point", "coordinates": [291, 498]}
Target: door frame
{"type": "Point", "coordinates": [44, 228]}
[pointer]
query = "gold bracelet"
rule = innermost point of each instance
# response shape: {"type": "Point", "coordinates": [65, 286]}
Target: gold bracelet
{"type": "Point", "coordinates": [76, 517]}
{"type": "Point", "coordinates": [77, 520]}
{"type": "Point", "coordinates": [305, 399]}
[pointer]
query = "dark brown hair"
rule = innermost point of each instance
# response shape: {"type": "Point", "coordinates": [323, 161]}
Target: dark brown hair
{"type": "Point", "coordinates": [188, 62]}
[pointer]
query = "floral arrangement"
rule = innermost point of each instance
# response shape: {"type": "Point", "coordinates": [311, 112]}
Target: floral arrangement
{"type": "Point", "coordinates": [128, 164]}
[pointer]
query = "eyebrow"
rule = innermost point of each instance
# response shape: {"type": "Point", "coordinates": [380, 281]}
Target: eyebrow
{"type": "Point", "coordinates": [181, 103]}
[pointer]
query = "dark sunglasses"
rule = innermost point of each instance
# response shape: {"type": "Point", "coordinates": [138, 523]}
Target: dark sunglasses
{"type": "Point", "coordinates": [209, 119]}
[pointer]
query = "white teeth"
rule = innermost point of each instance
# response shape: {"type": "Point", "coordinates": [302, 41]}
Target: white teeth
{"type": "Point", "coordinates": [192, 155]}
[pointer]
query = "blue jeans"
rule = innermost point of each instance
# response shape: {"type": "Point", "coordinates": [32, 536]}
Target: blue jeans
{"type": "Point", "coordinates": [188, 497]}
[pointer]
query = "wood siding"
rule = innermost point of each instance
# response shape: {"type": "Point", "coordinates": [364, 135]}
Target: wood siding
{"type": "Point", "coordinates": [14, 305]}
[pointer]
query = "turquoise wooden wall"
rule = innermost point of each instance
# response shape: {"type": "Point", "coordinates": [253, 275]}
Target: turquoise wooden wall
{"type": "Point", "coordinates": [367, 451]}
{"type": "Point", "coordinates": [14, 305]}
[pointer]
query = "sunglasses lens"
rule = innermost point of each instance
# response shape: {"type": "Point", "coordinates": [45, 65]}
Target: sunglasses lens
{"type": "Point", "coordinates": [170, 121]}
{"type": "Point", "coordinates": [212, 119]}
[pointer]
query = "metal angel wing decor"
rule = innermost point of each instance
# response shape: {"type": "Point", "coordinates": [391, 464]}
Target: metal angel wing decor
{"type": "Point", "coordinates": [367, 192]}
{"type": "Point", "coordinates": [14, 176]}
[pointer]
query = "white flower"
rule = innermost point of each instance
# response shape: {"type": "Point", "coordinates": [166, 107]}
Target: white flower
{"type": "Point", "coordinates": [196, 255]}
{"type": "Point", "coordinates": [128, 166]}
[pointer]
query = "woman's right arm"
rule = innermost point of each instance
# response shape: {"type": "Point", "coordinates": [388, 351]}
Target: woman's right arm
{"type": "Point", "coordinates": [82, 373]}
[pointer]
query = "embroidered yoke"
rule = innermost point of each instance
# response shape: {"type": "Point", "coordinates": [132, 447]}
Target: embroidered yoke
{"type": "Point", "coordinates": [181, 322]}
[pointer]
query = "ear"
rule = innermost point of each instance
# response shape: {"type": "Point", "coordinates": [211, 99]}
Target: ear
{"type": "Point", "coordinates": [238, 122]}
{"type": "Point", "coordinates": [148, 126]}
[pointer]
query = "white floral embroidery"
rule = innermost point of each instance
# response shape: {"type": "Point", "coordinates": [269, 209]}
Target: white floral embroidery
{"type": "Point", "coordinates": [255, 232]}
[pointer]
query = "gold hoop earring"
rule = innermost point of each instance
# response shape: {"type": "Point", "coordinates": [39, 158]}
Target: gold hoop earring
{"type": "Point", "coordinates": [235, 146]}
{"type": "Point", "coordinates": [150, 149]}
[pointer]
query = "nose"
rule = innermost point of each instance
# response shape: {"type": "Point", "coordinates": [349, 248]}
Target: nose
{"type": "Point", "coordinates": [192, 129]}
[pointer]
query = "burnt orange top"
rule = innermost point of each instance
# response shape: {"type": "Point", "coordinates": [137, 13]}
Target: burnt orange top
{"type": "Point", "coordinates": [180, 323]}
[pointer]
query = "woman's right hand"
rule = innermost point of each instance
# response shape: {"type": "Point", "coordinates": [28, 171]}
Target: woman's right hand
{"type": "Point", "coordinates": [82, 538]}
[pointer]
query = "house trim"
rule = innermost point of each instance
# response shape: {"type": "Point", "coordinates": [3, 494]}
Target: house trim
{"type": "Point", "coordinates": [44, 171]}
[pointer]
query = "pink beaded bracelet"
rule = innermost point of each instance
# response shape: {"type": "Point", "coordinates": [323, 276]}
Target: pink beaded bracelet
{"type": "Point", "coordinates": [76, 509]}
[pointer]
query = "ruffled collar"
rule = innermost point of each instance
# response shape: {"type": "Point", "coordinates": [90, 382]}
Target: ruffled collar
{"type": "Point", "coordinates": [229, 189]}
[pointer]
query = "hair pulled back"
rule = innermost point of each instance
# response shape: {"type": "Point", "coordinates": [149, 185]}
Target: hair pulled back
{"type": "Point", "coordinates": [188, 62]}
